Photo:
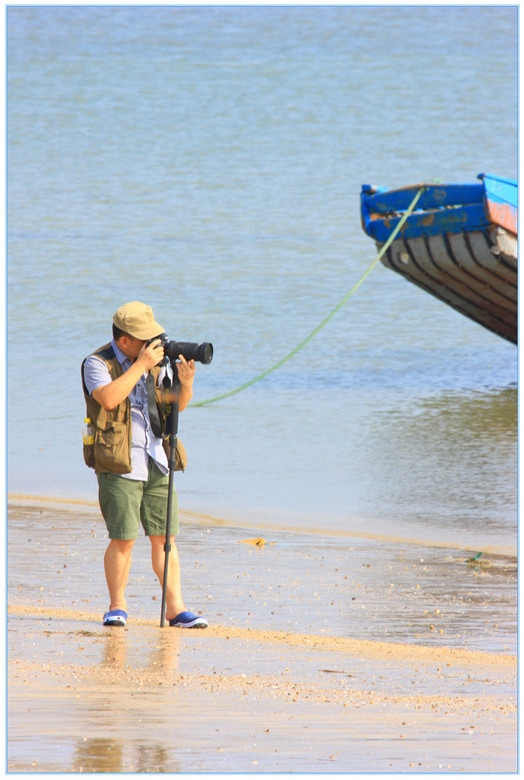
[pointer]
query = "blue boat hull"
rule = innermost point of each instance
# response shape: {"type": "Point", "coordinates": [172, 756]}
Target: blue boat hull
{"type": "Point", "coordinates": [454, 246]}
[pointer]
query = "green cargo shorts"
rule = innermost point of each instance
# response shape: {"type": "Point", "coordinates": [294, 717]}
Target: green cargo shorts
{"type": "Point", "coordinates": [125, 503]}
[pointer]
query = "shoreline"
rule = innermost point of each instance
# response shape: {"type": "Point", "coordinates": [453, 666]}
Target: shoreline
{"type": "Point", "coordinates": [361, 647]}
{"type": "Point", "coordinates": [324, 653]}
{"type": "Point", "coordinates": [201, 518]}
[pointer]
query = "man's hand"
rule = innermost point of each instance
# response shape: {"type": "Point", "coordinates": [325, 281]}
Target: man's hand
{"type": "Point", "coordinates": [186, 371]}
{"type": "Point", "coordinates": [144, 357]}
{"type": "Point", "coordinates": [150, 355]}
{"type": "Point", "coordinates": [186, 374]}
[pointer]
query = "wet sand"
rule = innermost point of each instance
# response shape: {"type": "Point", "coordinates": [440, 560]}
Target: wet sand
{"type": "Point", "coordinates": [324, 654]}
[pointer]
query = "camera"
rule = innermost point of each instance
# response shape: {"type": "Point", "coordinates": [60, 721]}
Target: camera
{"type": "Point", "coordinates": [202, 353]}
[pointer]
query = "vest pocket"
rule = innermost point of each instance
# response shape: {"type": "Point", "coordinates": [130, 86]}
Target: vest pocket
{"type": "Point", "coordinates": [89, 455]}
{"type": "Point", "coordinates": [111, 448]}
{"type": "Point", "coordinates": [180, 454]}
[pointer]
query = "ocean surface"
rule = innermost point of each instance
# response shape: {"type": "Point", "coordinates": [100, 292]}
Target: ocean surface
{"type": "Point", "coordinates": [208, 161]}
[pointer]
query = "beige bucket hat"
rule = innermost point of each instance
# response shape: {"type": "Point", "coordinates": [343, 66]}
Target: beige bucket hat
{"type": "Point", "coordinates": [138, 320]}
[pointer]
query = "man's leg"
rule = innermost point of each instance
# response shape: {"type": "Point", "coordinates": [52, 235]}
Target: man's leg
{"type": "Point", "coordinates": [117, 562]}
{"type": "Point", "coordinates": [120, 500]}
{"type": "Point", "coordinates": [174, 600]}
{"type": "Point", "coordinates": [153, 513]}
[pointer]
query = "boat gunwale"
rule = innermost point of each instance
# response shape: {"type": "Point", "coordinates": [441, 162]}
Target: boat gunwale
{"type": "Point", "coordinates": [442, 208]}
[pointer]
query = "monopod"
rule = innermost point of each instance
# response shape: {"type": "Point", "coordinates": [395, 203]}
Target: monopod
{"type": "Point", "coordinates": [172, 432]}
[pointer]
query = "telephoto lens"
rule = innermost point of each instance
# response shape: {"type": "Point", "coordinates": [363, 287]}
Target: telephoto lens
{"type": "Point", "coordinates": [202, 353]}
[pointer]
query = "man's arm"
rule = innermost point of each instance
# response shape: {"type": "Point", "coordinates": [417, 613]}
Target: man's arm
{"type": "Point", "coordinates": [112, 394]}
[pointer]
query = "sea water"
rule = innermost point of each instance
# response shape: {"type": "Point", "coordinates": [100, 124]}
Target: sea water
{"type": "Point", "coordinates": [208, 161]}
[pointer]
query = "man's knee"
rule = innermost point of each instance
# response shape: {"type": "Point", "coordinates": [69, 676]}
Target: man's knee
{"type": "Point", "coordinates": [159, 541]}
{"type": "Point", "coordinates": [122, 546]}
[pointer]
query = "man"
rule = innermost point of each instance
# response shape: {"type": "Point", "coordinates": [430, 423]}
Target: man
{"type": "Point", "coordinates": [130, 460]}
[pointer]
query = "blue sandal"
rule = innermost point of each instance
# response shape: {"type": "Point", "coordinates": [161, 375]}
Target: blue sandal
{"type": "Point", "coordinates": [188, 620]}
{"type": "Point", "coordinates": [116, 617]}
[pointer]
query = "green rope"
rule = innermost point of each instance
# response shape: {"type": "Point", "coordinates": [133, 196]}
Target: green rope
{"type": "Point", "coordinates": [330, 316]}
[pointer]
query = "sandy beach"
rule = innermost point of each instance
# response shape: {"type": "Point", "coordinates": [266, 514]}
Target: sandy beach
{"type": "Point", "coordinates": [325, 653]}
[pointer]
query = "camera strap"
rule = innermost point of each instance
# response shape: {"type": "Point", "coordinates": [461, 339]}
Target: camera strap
{"type": "Point", "coordinates": [154, 417]}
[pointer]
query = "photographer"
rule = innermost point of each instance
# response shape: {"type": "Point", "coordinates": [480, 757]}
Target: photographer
{"type": "Point", "coordinates": [129, 459]}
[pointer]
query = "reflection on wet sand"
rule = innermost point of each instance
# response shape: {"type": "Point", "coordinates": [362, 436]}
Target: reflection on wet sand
{"type": "Point", "coordinates": [162, 660]}
{"type": "Point", "coordinates": [144, 699]}
{"type": "Point", "coordinates": [107, 754]}
{"type": "Point", "coordinates": [424, 633]}
{"type": "Point", "coordinates": [98, 755]}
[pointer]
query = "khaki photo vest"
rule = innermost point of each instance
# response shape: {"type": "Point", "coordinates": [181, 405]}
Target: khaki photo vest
{"type": "Point", "coordinates": [111, 448]}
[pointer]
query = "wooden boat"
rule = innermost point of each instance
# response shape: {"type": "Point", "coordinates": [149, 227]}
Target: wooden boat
{"type": "Point", "coordinates": [459, 244]}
